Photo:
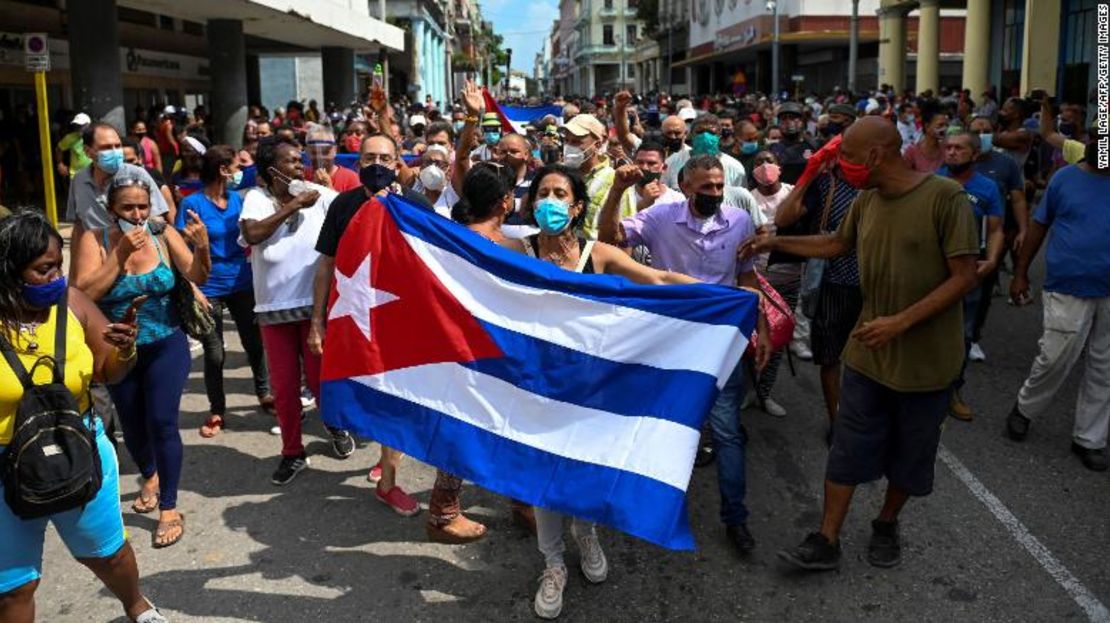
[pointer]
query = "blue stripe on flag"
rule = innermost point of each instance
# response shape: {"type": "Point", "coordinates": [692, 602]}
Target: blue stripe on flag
{"type": "Point", "coordinates": [575, 377]}
{"type": "Point", "coordinates": [705, 303]}
{"type": "Point", "coordinates": [628, 502]}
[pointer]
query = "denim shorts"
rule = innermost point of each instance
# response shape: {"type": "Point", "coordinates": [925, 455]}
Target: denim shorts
{"type": "Point", "coordinates": [883, 432]}
{"type": "Point", "coordinates": [95, 531]}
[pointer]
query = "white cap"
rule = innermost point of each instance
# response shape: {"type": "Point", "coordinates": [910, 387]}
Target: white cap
{"type": "Point", "coordinates": [196, 145]}
{"type": "Point", "coordinates": [687, 114]}
{"type": "Point", "coordinates": [872, 105]}
{"type": "Point", "coordinates": [81, 119]}
{"type": "Point", "coordinates": [417, 120]}
{"type": "Point", "coordinates": [169, 110]}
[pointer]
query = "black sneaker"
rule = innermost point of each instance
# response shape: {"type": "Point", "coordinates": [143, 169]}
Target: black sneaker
{"type": "Point", "coordinates": [1017, 425]}
{"type": "Point", "coordinates": [814, 554]}
{"type": "Point", "coordinates": [705, 456]}
{"type": "Point", "coordinates": [885, 548]}
{"type": "Point", "coordinates": [740, 537]}
{"type": "Point", "coordinates": [288, 469]}
{"type": "Point", "coordinates": [1093, 459]}
{"type": "Point", "coordinates": [342, 443]}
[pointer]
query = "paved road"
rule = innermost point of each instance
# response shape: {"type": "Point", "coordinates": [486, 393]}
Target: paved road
{"type": "Point", "coordinates": [1012, 533]}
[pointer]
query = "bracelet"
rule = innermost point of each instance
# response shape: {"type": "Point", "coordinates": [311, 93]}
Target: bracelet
{"type": "Point", "coordinates": [472, 119]}
{"type": "Point", "coordinates": [133, 352]}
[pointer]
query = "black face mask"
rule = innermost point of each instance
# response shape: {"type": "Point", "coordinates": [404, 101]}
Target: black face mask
{"type": "Point", "coordinates": [833, 128]}
{"type": "Point", "coordinates": [959, 169]}
{"type": "Point", "coordinates": [376, 177]}
{"type": "Point", "coordinates": [1066, 128]}
{"type": "Point", "coordinates": [673, 145]}
{"type": "Point", "coordinates": [726, 132]}
{"type": "Point", "coordinates": [649, 177]}
{"type": "Point", "coordinates": [706, 206]}
{"type": "Point", "coordinates": [791, 131]}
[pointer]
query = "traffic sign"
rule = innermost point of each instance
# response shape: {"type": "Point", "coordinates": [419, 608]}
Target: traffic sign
{"type": "Point", "coordinates": [36, 51]}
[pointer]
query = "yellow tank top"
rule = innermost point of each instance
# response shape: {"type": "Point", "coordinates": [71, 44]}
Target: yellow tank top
{"type": "Point", "coordinates": [78, 368]}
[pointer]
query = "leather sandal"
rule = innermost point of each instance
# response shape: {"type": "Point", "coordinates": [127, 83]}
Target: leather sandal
{"type": "Point", "coordinates": [163, 528]}
{"type": "Point", "coordinates": [455, 532]}
{"type": "Point", "coordinates": [143, 505]}
{"type": "Point", "coordinates": [212, 426]}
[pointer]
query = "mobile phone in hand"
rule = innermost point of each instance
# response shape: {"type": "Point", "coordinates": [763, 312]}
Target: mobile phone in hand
{"type": "Point", "coordinates": [132, 313]}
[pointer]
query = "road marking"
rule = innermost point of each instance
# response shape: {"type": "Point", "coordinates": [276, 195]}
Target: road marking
{"type": "Point", "coordinates": [1096, 611]}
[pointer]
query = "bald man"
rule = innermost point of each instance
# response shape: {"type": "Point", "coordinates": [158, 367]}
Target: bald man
{"type": "Point", "coordinates": [914, 235]}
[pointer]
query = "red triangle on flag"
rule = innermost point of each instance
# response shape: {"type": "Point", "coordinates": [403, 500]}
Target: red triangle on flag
{"type": "Point", "coordinates": [411, 318]}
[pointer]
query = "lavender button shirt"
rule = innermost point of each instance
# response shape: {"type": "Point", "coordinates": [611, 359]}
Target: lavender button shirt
{"type": "Point", "coordinates": [679, 243]}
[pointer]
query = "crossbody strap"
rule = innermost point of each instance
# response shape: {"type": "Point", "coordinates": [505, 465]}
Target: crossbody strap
{"type": "Point", "coordinates": [828, 204]}
{"type": "Point", "coordinates": [584, 255]}
{"type": "Point", "coordinates": [61, 319]}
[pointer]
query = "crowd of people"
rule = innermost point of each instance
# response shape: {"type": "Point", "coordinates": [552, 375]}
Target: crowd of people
{"type": "Point", "coordinates": [880, 224]}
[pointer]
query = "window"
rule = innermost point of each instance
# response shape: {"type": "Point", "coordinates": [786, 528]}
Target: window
{"type": "Point", "coordinates": [135, 16]}
{"type": "Point", "coordinates": [607, 35]}
{"type": "Point", "coordinates": [630, 34]}
{"type": "Point", "coordinates": [165, 22]}
{"type": "Point", "coordinates": [192, 28]}
{"type": "Point", "coordinates": [1013, 34]}
{"type": "Point", "coordinates": [632, 4]}
{"type": "Point", "coordinates": [608, 5]}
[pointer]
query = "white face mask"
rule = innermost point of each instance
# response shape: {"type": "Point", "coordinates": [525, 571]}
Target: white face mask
{"type": "Point", "coordinates": [433, 177]}
{"type": "Point", "coordinates": [297, 187]}
{"type": "Point", "coordinates": [573, 156]}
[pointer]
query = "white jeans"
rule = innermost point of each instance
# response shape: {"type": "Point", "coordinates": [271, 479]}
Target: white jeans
{"type": "Point", "coordinates": [1070, 324]}
{"type": "Point", "coordinates": [549, 535]}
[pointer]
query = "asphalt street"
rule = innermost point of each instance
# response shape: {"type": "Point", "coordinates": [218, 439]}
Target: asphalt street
{"type": "Point", "coordinates": [1013, 532]}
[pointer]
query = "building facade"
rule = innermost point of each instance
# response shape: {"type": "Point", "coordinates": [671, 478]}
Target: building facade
{"type": "Point", "coordinates": [109, 57]}
{"type": "Point", "coordinates": [607, 33]}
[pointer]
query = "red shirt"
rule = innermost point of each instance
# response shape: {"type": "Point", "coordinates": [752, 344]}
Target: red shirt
{"type": "Point", "coordinates": [342, 178]}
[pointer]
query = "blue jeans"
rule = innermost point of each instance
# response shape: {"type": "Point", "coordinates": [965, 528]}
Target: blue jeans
{"type": "Point", "coordinates": [971, 310]}
{"type": "Point", "coordinates": [729, 442]}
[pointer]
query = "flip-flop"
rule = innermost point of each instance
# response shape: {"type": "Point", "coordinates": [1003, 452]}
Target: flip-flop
{"type": "Point", "coordinates": [163, 528]}
{"type": "Point", "coordinates": [149, 505]}
{"type": "Point", "coordinates": [212, 426]}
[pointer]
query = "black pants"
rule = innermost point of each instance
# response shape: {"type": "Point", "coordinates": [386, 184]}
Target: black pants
{"type": "Point", "coordinates": [989, 282]}
{"type": "Point", "coordinates": [241, 307]}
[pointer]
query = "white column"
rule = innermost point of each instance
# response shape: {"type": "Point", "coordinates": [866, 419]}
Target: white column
{"type": "Point", "coordinates": [928, 47]}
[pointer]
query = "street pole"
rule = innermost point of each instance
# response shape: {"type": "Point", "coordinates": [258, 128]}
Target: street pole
{"type": "Point", "coordinates": [508, 69]}
{"type": "Point", "coordinates": [670, 48]}
{"type": "Point", "coordinates": [773, 6]}
{"type": "Point", "coordinates": [44, 144]}
{"type": "Point", "coordinates": [853, 46]}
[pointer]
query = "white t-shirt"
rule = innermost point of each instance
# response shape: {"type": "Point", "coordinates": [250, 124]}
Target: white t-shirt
{"type": "Point", "coordinates": [767, 206]}
{"type": "Point", "coordinates": [285, 263]}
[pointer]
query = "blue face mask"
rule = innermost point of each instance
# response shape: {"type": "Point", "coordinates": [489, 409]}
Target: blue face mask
{"type": "Point", "coordinates": [707, 144]}
{"type": "Point", "coordinates": [986, 142]}
{"type": "Point", "coordinates": [236, 180]}
{"type": "Point", "coordinates": [552, 215]}
{"type": "Point", "coordinates": [749, 147]}
{"type": "Point", "coordinates": [109, 160]}
{"type": "Point", "coordinates": [492, 138]}
{"type": "Point", "coordinates": [41, 296]}
{"type": "Point", "coordinates": [459, 125]}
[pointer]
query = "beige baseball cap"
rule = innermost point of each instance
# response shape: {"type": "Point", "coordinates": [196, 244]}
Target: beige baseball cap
{"type": "Point", "coordinates": [584, 124]}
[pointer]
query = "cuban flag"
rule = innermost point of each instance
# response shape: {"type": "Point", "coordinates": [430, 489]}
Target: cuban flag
{"type": "Point", "coordinates": [583, 394]}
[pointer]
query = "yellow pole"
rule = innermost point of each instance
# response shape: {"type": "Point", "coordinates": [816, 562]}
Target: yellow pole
{"type": "Point", "coordinates": [44, 143]}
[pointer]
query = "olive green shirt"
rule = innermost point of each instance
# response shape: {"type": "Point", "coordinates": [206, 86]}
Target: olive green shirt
{"type": "Point", "coordinates": [903, 244]}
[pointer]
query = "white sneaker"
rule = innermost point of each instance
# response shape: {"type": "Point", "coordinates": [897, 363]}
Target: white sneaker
{"type": "Point", "coordinates": [801, 350]}
{"type": "Point", "coordinates": [976, 352]}
{"type": "Point", "coordinates": [772, 408]}
{"type": "Point", "coordinates": [549, 597]}
{"type": "Point", "coordinates": [275, 430]}
{"type": "Point", "coordinates": [594, 565]}
{"type": "Point", "coordinates": [307, 401]}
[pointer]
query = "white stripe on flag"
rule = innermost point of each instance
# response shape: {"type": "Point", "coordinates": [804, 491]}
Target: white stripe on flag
{"type": "Point", "coordinates": [651, 447]}
{"type": "Point", "coordinates": [605, 330]}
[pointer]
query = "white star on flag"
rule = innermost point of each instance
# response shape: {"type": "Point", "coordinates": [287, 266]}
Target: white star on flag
{"type": "Point", "coordinates": [357, 297]}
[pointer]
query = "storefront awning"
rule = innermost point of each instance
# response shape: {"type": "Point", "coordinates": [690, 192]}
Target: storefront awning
{"type": "Point", "coordinates": [310, 24]}
{"type": "Point", "coordinates": [826, 37]}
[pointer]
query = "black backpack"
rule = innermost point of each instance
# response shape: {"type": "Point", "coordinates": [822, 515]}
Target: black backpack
{"type": "Point", "coordinates": [51, 464]}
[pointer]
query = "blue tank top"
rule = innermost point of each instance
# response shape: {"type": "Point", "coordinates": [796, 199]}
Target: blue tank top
{"type": "Point", "coordinates": [158, 316]}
